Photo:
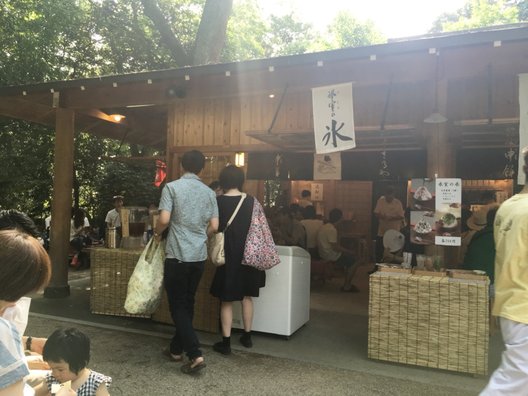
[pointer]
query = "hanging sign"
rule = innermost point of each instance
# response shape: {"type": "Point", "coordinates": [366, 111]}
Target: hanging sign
{"type": "Point", "coordinates": [523, 124]}
{"type": "Point", "coordinates": [448, 211]}
{"type": "Point", "coordinates": [333, 113]}
{"type": "Point", "coordinates": [317, 191]}
{"type": "Point", "coordinates": [327, 166]}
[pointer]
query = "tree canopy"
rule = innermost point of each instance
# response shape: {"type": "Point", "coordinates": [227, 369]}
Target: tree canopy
{"type": "Point", "coordinates": [481, 13]}
{"type": "Point", "coordinates": [46, 40]}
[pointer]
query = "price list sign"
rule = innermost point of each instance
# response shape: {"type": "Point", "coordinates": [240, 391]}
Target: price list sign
{"type": "Point", "coordinates": [448, 202]}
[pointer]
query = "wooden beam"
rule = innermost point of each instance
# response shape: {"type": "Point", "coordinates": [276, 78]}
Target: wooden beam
{"type": "Point", "coordinates": [481, 122]}
{"type": "Point", "coordinates": [27, 110]}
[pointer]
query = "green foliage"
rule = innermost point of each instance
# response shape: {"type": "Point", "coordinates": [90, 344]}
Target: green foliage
{"type": "Point", "coordinates": [522, 8]}
{"type": "Point", "coordinates": [480, 13]}
{"type": "Point", "coordinates": [48, 40]}
{"type": "Point", "coordinates": [134, 181]}
{"type": "Point", "coordinates": [348, 31]}
{"type": "Point", "coordinates": [26, 157]}
{"type": "Point", "coordinates": [288, 36]}
{"type": "Point", "coordinates": [245, 30]}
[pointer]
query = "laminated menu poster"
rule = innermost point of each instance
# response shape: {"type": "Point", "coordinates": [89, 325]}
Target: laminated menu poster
{"type": "Point", "coordinates": [448, 211]}
{"type": "Point", "coordinates": [327, 166]}
{"type": "Point", "coordinates": [422, 202]}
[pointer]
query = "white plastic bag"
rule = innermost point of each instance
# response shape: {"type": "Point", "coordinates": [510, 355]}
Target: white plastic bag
{"type": "Point", "coordinates": [146, 283]}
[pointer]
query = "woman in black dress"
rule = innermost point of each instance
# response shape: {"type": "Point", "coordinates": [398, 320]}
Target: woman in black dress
{"type": "Point", "coordinates": [234, 281]}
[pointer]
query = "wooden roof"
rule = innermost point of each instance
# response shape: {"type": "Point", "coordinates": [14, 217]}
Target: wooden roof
{"type": "Point", "coordinates": [144, 97]}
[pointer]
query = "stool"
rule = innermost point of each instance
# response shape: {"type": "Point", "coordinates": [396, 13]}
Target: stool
{"type": "Point", "coordinates": [320, 269]}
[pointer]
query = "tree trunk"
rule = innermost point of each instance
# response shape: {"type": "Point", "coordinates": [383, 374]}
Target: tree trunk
{"type": "Point", "coordinates": [211, 35]}
{"type": "Point", "coordinates": [168, 38]}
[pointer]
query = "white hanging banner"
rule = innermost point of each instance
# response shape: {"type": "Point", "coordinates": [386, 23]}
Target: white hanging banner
{"type": "Point", "coordinates": [327, 166]}
{"type": "Point", "coordinates": [523, 123]}
{"type": "Point", "coordinates": [333, 112]}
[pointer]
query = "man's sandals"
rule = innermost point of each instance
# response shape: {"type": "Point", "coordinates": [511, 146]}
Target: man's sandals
{"type": "Point", "coordinates": [193, 366]}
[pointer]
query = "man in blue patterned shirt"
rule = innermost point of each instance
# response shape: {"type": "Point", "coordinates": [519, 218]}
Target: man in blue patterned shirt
{"type": "Point", "coordinates": [188, 207]}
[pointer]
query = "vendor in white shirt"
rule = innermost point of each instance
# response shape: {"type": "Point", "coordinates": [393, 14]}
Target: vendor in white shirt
{"type": "Point", "coordinates": [113, 218]}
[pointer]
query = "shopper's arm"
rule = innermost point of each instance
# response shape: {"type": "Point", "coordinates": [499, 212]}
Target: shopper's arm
{"type": "Point", "coordinates": [162, 224]}
{"type": "Point", "coordinates": [213, 226]}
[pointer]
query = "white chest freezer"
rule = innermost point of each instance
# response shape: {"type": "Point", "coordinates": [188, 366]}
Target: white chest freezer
{"type": "Point", "coordinates": [284, 303]}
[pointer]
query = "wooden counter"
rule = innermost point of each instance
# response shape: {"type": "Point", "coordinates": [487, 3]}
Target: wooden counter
{"type": "Point", "coordinates": [432, 321]}
{"type": "Point", "coordinates": [110, 271]}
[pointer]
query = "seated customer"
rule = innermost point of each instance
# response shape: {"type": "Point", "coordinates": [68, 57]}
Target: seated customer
{"type": "Point", "coordinates": [312, 226]}
{"type": "Point", "coordinates": [289, 230]}
{"type": "Point", "coordinates": [330, 249]}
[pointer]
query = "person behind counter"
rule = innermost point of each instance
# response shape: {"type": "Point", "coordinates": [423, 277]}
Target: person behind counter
{"type": "Point", "coordinates": [390, 214]}
{"type": "Point", "coordinates": [306, 199]}
{"type": "Point", "coordinates": [113, 218]}
{"type": "Point", "coordinates": [234, 281]}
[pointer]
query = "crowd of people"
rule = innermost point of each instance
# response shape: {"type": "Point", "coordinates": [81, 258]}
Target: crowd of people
{"type": "Point", "coordinates": [190, 211]}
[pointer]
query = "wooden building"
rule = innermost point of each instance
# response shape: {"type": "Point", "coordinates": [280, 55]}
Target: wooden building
{"type": "Point", "coordinates": [264, 107]}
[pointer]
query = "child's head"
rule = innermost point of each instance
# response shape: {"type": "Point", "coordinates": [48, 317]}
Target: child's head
{"type": "Point", "coordinates": [67, 351]}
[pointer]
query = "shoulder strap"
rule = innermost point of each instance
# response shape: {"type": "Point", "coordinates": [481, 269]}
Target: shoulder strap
{"type": "Point", "coordinates": [236, 211]}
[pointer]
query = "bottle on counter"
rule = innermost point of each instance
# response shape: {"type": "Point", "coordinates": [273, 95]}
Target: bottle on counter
{"type": "Point", "coordinates": [111, 237]}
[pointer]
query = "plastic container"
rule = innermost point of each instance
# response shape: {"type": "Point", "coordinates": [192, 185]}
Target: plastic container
{"type": "Point", "coordinates": [135, 222]}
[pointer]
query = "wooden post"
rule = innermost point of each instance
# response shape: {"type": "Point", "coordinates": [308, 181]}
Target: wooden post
{"type": "Point", "coordinates": [441, 162]}
{"type": "Point", "coordinates": [61, 204]}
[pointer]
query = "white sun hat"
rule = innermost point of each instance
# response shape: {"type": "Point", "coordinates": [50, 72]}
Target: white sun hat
{"type": "Point", "coordinates": [393, 240]}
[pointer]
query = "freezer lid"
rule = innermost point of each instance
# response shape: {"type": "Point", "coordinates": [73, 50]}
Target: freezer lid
{"type": "Point", "coordinates": [294, 251]}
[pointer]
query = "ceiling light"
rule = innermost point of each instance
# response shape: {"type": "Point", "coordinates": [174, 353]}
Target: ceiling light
{"type": "Point", "coordinates": [140, 105]}
{"type": "Point", "coordinates": [239, 159]}
{"type": "Point", "coordinates": [435, 118]}
{"type": "Point", "coordinates": [117, 117]}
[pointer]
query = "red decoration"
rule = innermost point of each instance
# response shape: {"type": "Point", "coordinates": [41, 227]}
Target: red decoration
{"type": "Point", "coordinates": [161, 172]}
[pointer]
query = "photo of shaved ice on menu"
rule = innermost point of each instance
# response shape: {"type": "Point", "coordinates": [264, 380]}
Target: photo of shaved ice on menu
{"type": "Point", "coordinates": [422, 194]}
{"type": "Point", "coordinates": [447, 219]}
{"type": "Point", "coordinates": [423, 227]}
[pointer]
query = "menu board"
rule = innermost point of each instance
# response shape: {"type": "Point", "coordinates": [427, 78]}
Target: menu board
{"type": "Point", "coordinates": [448, 202]}
{"type": "Point", "coordinates": [436, 211]}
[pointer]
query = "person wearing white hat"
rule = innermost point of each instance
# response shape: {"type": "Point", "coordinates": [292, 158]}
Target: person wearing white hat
{"type": "Point", "coordinates": [476, 222]}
